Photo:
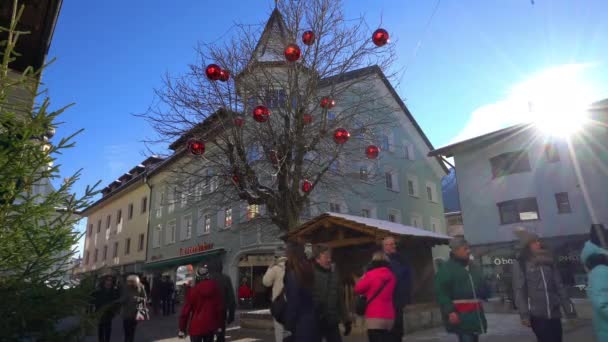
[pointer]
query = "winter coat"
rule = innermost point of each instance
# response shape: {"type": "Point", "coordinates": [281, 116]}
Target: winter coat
{"type": "Point", "coordinates": [130, 299]}
{"type": "Point", "coordinates": [274, 277]}
{"type": "Point", "coordinates": [245, 292]}
{"type": "Point", "coordinates": [300, 318]}
{"type": "Point", "coordinates": [227, 290]}
{"type": "Point", "coordinates": [539, 292]}
{"type": "Point", "coordinates": [459, 288]}
{"type": "Point", "coordinates": [328, 297]}
{"type": "Point", "coordinates": [382, 305]}
{"type": "Point", "coordinates": [105, 303]}
{"type": "Point", "coordinates": [401, 270]}
{"type": "Point", "coordinates": [597, 289]}
{"type": "Point", "coordinates": [204, 308]}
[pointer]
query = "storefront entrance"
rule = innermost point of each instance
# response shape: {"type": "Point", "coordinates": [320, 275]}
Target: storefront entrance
{"type": "Point", "coordinates": [251, 271]}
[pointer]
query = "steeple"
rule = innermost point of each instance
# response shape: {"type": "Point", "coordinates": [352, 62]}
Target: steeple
{"type": "Point", "coordinates": [273, 41]}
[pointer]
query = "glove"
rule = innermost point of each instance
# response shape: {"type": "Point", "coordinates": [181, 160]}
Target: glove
{"type": "Point", "coordinates": [348, 326]}
{"type": "Point", "coordinates": [181, 334]}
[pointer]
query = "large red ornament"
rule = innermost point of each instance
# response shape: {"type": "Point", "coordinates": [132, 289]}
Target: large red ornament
{"type": "Point", "coordinates": [239, 121]}
{"type": "Point", "coordinates": [224, 75]}
{"type": "Point", "coordinates": [213, 72]}
{"type": "Point", "coordinates": [341, 136]}
{"type": "Point", "coordinates": [196, 147]}
{"type": "Point", "coordinates": [307, 119]}
{"type": "Point", "coordinates": [372, 151]}
{"type": "Point", "coordinates": [261, 114]}
{"type": "Point", "coordinates": [380, 37]}
{"type": "Point", "coordinates": [308, 38]}
{"type": "Point", "coordinates": [292, 52]}
{"type": "Point", "coordinates": [306, 186]}
{"type": "Point", "coordinates": [327, 103]}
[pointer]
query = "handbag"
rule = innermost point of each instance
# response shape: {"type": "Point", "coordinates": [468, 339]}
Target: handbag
{"type": "Point", "coordinates": [362, 302]}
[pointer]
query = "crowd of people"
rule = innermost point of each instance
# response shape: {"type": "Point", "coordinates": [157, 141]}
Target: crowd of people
{"type": "Point", "coordinates": [314, 296]}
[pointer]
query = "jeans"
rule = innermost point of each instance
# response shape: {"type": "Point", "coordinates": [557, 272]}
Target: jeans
{"type": "Point", "coordinates": [376, 335]}
{"type": "Point", "coordinates": [202, 338]}
{"type": "Point", "coordinates": [129, 326]}
{"type": "Point", "coordinates": [547, 330]}
{"type": "Point", "coordinates": [104, 330]}
{"type": "Point", "coordinates": [468, 338]}
{"type": "Point", "coordinates": [396, 333]}
{"type": "Point", "coordinates": [330, 333]}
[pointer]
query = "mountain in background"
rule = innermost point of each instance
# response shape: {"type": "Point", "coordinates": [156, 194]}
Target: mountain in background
{"type": "Point", "coordinates": [449, 191]}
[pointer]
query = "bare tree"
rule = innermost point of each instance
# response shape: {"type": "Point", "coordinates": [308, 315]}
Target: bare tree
{"type": "Point", "coordinates": [270, 163]}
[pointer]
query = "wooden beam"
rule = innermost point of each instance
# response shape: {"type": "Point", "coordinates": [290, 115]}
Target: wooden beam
{"type": "Point", "coordinates": [350, 242]}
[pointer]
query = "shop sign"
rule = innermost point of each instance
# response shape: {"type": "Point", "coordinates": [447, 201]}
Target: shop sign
{"type": "Point", "coordinates": [561, 258]}
{"type": "Point", "coordinates": [196, 249]}
{"type": "Point", "coordinates": [503, 261]}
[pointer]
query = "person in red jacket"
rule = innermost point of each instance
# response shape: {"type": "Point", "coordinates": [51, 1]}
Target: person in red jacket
{"type": "Point", "coordinates": [204, 308]}
{"type": "Point", "coordinates": [378, 285]}
{"type": "Point", "coordinates": [245, 294]}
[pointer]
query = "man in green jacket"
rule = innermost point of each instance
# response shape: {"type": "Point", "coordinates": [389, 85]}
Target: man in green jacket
{"type": "Point", "coordinates": [328, 297]}
{"type": "Point", "coordinates": [459, 288]}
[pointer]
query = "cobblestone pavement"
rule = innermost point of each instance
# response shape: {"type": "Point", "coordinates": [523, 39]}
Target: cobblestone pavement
{"type": "Point", "coordinates": [502, 328]}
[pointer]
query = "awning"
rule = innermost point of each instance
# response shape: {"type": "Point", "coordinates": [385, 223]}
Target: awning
{"type": "Point", "coordinates": [184, 260]}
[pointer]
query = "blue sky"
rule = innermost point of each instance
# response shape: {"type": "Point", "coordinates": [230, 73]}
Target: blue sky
{"type": "Point", "coordinates": [460, 81]}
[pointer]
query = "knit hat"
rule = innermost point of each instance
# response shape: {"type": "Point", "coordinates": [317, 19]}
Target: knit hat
{"type": "Point", "coordinates": [525, 237]}
{"type": "Point", "coordinates": [203, 271]}
{"type": "Point", "coordinates": [599, 235]}
{"type": "Point", "coordinates": [458, 242]}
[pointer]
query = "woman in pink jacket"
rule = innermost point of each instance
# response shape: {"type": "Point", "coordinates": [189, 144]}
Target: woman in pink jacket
{"type": "Point", "coordinates": [378, 285]}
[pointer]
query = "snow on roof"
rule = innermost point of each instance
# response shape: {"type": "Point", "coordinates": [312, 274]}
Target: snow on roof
{"type": "Point", "coordinates": [392, 227]}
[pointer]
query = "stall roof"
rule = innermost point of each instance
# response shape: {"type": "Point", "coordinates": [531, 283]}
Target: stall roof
{"type": "Point", "coordinates": [369, 224]}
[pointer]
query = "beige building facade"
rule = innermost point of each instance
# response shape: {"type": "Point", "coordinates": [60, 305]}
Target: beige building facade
{"type": "Point", "coordinates": [117, 224]}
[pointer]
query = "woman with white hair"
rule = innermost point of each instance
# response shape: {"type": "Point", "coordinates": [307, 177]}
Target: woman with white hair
{"type": "Point", "coordinates": [133, 301]}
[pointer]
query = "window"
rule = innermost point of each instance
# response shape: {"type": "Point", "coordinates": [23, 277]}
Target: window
{"type": "Point", "coordinates": [144, 204]}
{"type": "Point", "coordinates": [115, 254]}
{"type": "Point", "coordinates": [96, 255]}
{"type": "Point", "coordinates": [431, 192]}
{"type": "Point", "coordinates": [365, 213]}
{"type": "Point", "coordinates": [159, 205]}
{"type": "Point", "coordinates": [408, 151]}
{"type": "Point", "coordinates": [184, 199]}
{"type": "Point", "coordinates": [389, 180]}
{"type": "Point", "coordinates": [563, 203]}
{"type": "Point", "coordinates": [392, 217]}
{"type": "Point", "coordinates": [412, 186]}
{"type": "Point", "coordinates": [253, 211]}
{"type": "Point", "coordinates": [254, 153]}
{"type": "Point", "coordinates": [119, 216]}
{"type": "Point", "coordinates": [416, 221]}
{"type": "Point", "coordinates": [130, 211]}
{"type": "Point", "coordinates": [331, 116]}
{"type": "Point", "coordinates": [551, 153]}
{"type": "Point", "coordinates": [207, 223]}
{"type": "Point", "coordinates": [140, 244]}
{"type": "Point", "coordinates": [171, 227]}
{"type": "Point", "coordinates": [335, 166]}
{"type": "Point", "coordinates": [519, 210]}
{"type": "Point", "coordinates": [172, 196]}
{"type": "Point", "coordinates": [385, 143]}
{"type": "Point", "coordinates": [510, 163]}
{"type": "Point", "coordinates": [363, 174]}
{"type": "Point", "coordinates": [334, 207]}
{"type": "Point", "coordinates": [105, 252]}
{"type": "Point", "coordinates": [99, 225]}
{"type": "Point", "coordinates": [127, 246]}
{"type": "Point", "coordinates": [156, 237]}
{"type": "Point", "coordinates": [187, 231]}
{"type": "Point", "coordinates": [275, 98]}
{"type": "Point", "coordinates": [108, 220]}
{"type": "Point", "coordinates": [198, 192]}
{"type": "Point", "coordinates": [436, 224]}
{"type": "Point", "coordinates": [228, 217]}
{"type": "Point", "coordinates": [90, 232]}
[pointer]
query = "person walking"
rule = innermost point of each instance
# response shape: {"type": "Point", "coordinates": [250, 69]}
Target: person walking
{"type": "Point", "coordinates": [245, 294]}
{"type": "Point", "coordinates": [300, 318]}
{"type": "Point", "coordinates": [328, 297]}
{"type": "Point", "coordinates": [165, 298]}
{"type": "Point", "coordinates": [378, 286]}
{"type": "Point", "coordinates": [595, 258]}
{"type": "Point", "coordinates": [225, 284]}
{"type": "Point", "coordinates": [104, 300]}
{"type": "Point", "coordinates": [459, 288]}
{"type": "Point", "coordinates": [157, 290]}
{"type": "Point", "coordinates": [203, 310]}
{"type": "Point", "coordinates": [274, 278]}
{"type": "Point", "coordinates": [132, 299]}
{"type": "Point", "coordinates": [401, 296]}
{"type": "Point", "coordinates": [539, 291]}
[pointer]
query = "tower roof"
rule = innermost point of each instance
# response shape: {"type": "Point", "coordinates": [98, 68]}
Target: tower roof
{"type": "Point", "coordinates": [273, 40]}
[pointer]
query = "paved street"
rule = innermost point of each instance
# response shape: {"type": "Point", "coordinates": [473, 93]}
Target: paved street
{"type": "Point", "coordinates": [503, 328]}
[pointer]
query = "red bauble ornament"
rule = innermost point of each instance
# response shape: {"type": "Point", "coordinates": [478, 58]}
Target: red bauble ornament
{"type": "Point", "coordinates": [261, 114]}
{"type": "Point", "coordinates": [327, 103]}
{"type": "Point", "coordinates": [380, 37]}
{"type": "Point", "coordinates": [213, 72]}
{"type": "Point", "coordinates": [224, 75]}
{"type": "Point", "coordinates": [239, 122]}
{"type": "Point", "coordinates": [292, 52]}
{"type": "Point", "coordinates": [235, 179]}
{"type": "Point", "coordinates": [196, 147]}
{"type": "Point", "coordinates": [307, 119]}
{"type": "Point", "coordinates": [341, 136]}
{"type": "Point", "coordinates": [306, 186]}
{"type": "Point", "coordinates": [372, 151]}
{"type": "Point", "coordinates": [308, 38]}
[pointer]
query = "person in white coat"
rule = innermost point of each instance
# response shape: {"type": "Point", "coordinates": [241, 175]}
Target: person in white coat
{"type": "Point", "coordinates": [274, 278]}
